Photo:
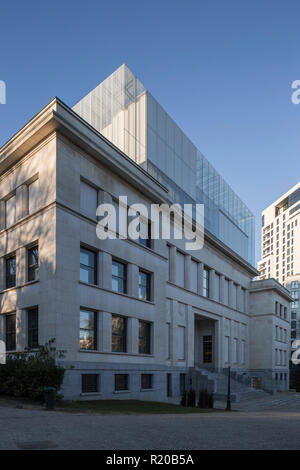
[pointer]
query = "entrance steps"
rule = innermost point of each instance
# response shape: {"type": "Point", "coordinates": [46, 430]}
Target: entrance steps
{"type": "Point", "coordinates": [217, 383]}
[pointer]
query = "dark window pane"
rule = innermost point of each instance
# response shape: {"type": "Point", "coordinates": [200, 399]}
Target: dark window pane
{"type": "Point", "coordinates": [144, 285]}
{"type": "Point", "coordinates": [33, 328]}
{"type": "Point", "coordinates": [121, 382]}
{"type": "Point", "coordinates": [146, 381]}
{"type": "Point", "coordinates": [89, 383]}
{"type": "Point", "coordinates": [169, 385]}
{"type": "Point", "coordinates": [10, 272]}
{"type": "Point", "coordinates": [119, 325]}
{"type": "Point", "coordinates": [118, 277]}
{"type": "Point", "coordinates": [10, 332]}
{"type": "Point", "coordinates": [33, 263]}
{"type": "Point", "coordinates": [144, 337]}
{"type": "Point", "coordinates": [88, 266]}
{"type": "Point", "coordinates": [182, 383]}
{"type": "Point", "coordinates": [207, 348]}
{"type": "Point", "coordinates": [88, 330]}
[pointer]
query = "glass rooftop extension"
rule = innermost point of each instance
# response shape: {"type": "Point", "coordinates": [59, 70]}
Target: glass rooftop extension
{"type": "Point", "coordinates": [127, 114]}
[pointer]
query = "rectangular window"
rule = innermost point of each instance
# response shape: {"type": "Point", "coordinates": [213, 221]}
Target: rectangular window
{"type": "Point", "coordinates": [10, 265]}
{"type": "Point", "coordinates": [182, 383]}
{"type": "Point", "coordinates": [119, 336]}
{"type": "Point", "coordinates": [88, 329]}
{"type": "Point", "coordinates": [88, 199]}
{"type": "Point", "coordinates": [144, 337]}
{"type": "Point", "coordinates": [146, 381]}
{"type": "Point", "coordinates": [169, 385]}
{"type": "Point", "coordinates": [10, 211]}
{"type": "Point", "coordinates": [33, 263]}
{"type": "Point", "coordinates": [119, 277]}
{"type": "Point", "coordinates": [88, 266]}
{"type": "Point", "coordinates": [10, 329]}
{"type": "Point", "coordinates": [144, 285]}
{"type": "Point", "coordinates": [89, 383]}
{"type": "Point", "coordinates": [33, 191]}
{"type": "Point", "coordinates": [205, 290]}
{"type": "Point", "coordinates": [181, 342]}
{"type": "Point", "coordinates": [207, 348]}
{"type": "Point", "coordinates": [33, 328]}
{"type": "Point", "coordinates": [121, 382]}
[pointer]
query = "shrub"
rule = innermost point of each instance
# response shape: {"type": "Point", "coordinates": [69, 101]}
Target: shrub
{"type": "Point", "coordinates": [27, 374]}
{"type": "Point", "coordinates": [183, 400]}
{"type": "Point", "coordinates": [206, 400]}
{"type": "Point", "coordinates": [191, 398]}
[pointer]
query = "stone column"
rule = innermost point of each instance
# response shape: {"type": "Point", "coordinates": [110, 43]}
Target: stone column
{"type": "Point", "coordinates": [2, 215]}
{"type": "Point", "coordinates": [21, 330]}
{"type": "Point", "coordinates": [2, 273]}
{"type": "Point", "coordinates": [238, 298]}
{"type": "Point", "coordinates": [212, 284]}
{"type": "Point", "coordinates": [172, 264]}
{"type": "Point", "coordinates": [105, 270]}
{"type": "Point", "coordinates": [187, 272]}
{"type": "Point", "coordinates": [230, 293]}
{"type": "Point", "coordinates": [133, 335]}
{"type": "Point", "coordinates": [133, 280]}
{"type": "Point", "coordinates": [105, 332]}
{"type": "Point", "coordinates": [21, 201]}
{"type": "Point", "coordinates": [173, 331]}
{"type": "Point", "coordinates": [190, 337]}
{"type": "Point", "coordinates": [222, 289]}
{"type": "Point", "coordinates": [200, 279]}
{"type": "Point", "coordinates": [2, 327]}
{"type": "Point", "coordinates": [21, 263]}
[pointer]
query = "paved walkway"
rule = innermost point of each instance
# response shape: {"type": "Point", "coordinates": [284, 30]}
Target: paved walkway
{"type": "Point", "coordinates": [263, 428]}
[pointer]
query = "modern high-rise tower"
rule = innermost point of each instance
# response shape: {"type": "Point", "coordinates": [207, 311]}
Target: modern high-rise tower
{"type": "Point", "coordinates": [280, 248]}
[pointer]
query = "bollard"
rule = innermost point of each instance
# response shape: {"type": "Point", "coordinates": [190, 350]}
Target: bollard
{"type": "Point", "coordinates": [50, 398]}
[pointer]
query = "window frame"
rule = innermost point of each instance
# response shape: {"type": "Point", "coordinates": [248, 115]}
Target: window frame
{"type": "Point", "coordinates": [145, 339]}
{"type": "Point", "coordinates": [117, 277]}
{"type": "Point", "coordinates": [121, 337]}
{"type": "Point", "coordinates": [12, 332]}
{"type": "Point", "coordinates": [34, 267]}
{"type": "Point", "coordinates": [94, 329]}
{"type": "Point", "coordinates": [31, 344]}
{"type": "Point", "coordinates": [126, 385]}
{"type": "Point", "coordinates": [146, 286]}
{"type": "Point", "coordinates": [7, 259]}
{"type": "Point", "coordinates": [89, 268]}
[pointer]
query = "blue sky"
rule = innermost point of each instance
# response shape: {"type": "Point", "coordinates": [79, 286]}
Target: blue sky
{"type": "Point", "coordinates": [222, 69]}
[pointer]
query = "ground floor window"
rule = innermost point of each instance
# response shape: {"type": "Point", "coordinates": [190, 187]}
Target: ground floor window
{"type": "Point", "coordinates": [207, 348]}
{"type": "Point", "coordinates": [33, 327]}
{"type": "Point", "coordinates": [121, 382]}
{"type": "Point", "coordinates": [89, 383]}
{"type": "Point", "coordinates": [10, 329]}
{"type": "Point", "coordinates": [182, 383]}
{"type": "Point", "coordinates": [169, 385]}
{"type": "Point", "coordinates": [146, 381]}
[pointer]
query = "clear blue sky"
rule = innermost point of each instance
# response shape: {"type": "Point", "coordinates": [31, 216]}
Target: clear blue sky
{"type": "Point", "coordinates": [222, 69]}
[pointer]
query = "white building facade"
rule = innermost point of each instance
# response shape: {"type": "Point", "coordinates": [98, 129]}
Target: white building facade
{"type": "Point", "coordinates": [138, 319]}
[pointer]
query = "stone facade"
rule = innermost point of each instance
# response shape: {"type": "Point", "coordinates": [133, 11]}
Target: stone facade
{"type": "Point", "coordinates": [232, 323]}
